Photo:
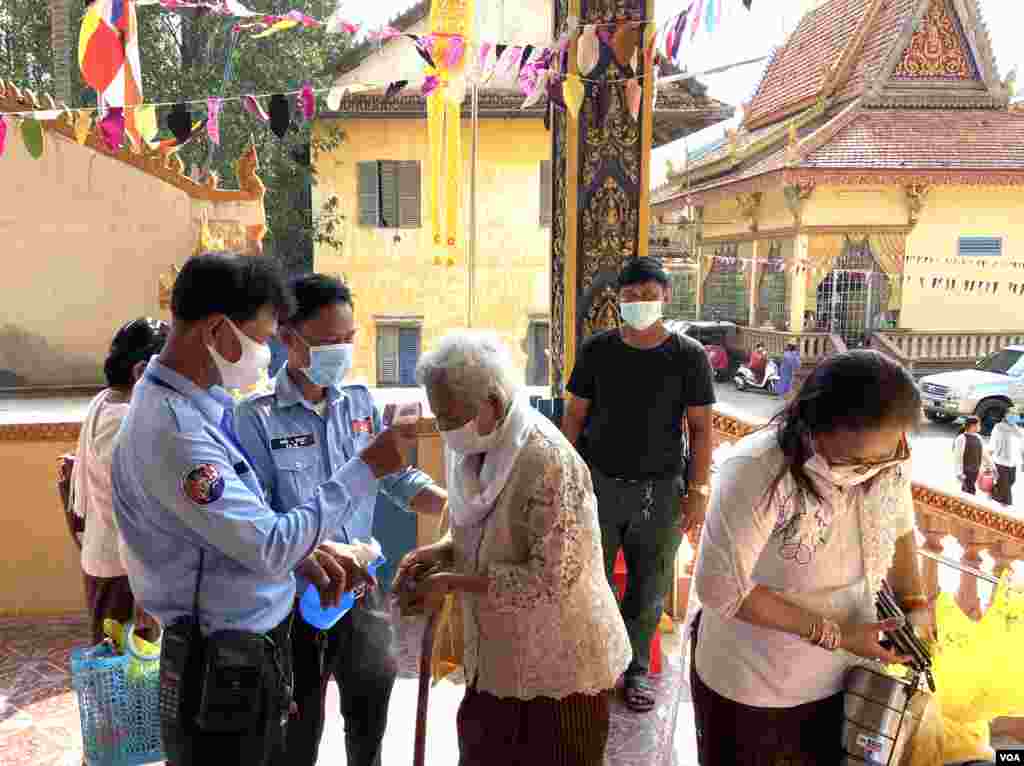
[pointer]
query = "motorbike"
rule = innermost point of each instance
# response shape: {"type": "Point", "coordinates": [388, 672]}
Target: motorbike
{"type": "Point", "coordinates": [745, 378]}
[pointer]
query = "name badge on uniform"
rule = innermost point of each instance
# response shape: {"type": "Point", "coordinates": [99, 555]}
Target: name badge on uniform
{"type": "Point", "coordinates": [293, 442]}
{"type": "Point", "coordinates": [364, 426]}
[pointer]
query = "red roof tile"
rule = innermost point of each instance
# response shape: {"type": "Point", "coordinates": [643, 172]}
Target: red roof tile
{"type": "Point", "coordinates": [926, 139]}
{"type": "Point", "coordinates": [879, 41]}
{"type": "Point", "coordinates": [797, 71]}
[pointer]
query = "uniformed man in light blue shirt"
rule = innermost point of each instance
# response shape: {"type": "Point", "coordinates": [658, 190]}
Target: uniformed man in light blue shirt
{"type": "Point", "coordinates": [205, 552]}
{"type": "Point", "coordinates": [297, 436]}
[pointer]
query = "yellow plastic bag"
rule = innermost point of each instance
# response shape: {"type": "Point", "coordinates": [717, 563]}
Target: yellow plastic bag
{"type": "Point", "coordinates": [977, 671]}
{"type": "Point", "coordinates": [928, 744]}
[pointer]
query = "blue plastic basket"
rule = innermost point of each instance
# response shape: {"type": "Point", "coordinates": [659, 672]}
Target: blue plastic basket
{"type": "Point", "coordinates": [119, 704]}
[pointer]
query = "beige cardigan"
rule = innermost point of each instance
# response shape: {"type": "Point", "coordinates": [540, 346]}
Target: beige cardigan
{"type": "Point", "coordinates": [550, 626]}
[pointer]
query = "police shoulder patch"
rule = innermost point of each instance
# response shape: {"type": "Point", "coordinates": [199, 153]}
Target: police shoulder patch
{"type": "Point", "coordinates": [203, 484]}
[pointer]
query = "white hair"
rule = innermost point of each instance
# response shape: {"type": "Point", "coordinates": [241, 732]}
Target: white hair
{"type": "Point", "coordinates": [472, 365]}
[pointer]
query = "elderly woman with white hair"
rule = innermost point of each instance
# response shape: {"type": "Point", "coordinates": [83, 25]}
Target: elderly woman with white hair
{"type": "Point", "coordinates": [544, 640]}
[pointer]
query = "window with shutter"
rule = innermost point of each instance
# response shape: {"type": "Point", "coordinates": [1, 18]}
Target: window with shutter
{"type": "Point", "coordinates": [387, 356]}
{"type": "Point", "coordinates": [409, 205]}
{"type": "Point", "coordinates": [368, 179]}
{"type": "Point", "coordinates": [388, 194]}
{"type": "Point", "coordinates": [408, 355]}
{"type": "Point", "coordinates": [980, 247]}
{"type": "Point", "coordinates": [545, 193]}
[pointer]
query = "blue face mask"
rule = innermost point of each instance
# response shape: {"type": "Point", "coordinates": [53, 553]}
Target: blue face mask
{"type": "Point", "coordinates": [328, 365]}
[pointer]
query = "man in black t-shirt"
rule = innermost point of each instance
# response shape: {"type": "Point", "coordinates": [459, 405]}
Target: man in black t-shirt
{"type": "Point", "coordinates": [635, 392]}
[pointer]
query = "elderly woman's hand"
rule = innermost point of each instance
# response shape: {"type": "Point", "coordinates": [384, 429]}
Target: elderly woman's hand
{"type": "Point", "coordinates": [430, 592]}
{"type": "Point", "coordinates": [420, 561]}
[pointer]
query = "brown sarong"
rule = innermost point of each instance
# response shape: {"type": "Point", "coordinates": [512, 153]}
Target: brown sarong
{"type": "Point", "coordinates": [731, 733]}
{"type": "Point", "coordinates": [509, 732]}
{"type": "Point", "coordinates": [108, 597]}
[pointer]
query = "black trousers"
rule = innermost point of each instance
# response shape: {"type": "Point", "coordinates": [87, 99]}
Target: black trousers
{"type": "Point", "coordinates": [256, 742]}
{"type": "Point", "coordinates": [1006, 477]}
{"type": "Point", "coordinates": [358, 654]}
{"type": "Point", "coordinates": [729, 732]}
{"type": "Point", "coordinates": [970, 482]}
{"type": "Point", "coordinates": [641, 518]}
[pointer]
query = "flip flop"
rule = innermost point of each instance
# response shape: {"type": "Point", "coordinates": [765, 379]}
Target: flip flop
{"type": "Point", "coordinates": [638, 694]}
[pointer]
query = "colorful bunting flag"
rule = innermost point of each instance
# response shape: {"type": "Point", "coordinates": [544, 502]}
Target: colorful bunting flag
{"type": "Point", "coordinates": [32, 135]}
{"type": "Point", "coordinates": [108, 53]}
{"type": "Point", "coordinates": [3, 134]}
{"type": "Point", "coordinates": [112, 128]}
{"type": "Point", "coordinates": [573, 93]}
{"type": "Point", "coordinates": [696, 18]}
{"type": "Point", "coordinates": [213, 106]}
{"type": "Point", "coordinates": [252, 106]}
{"type": "Point", "coordinates": [145, 124]}
{"type": "Point", "coordinates": [394, 89]}
{"type": "Point", "coordinates": [280, 115]}
{"type": "Point", "coordinates": [82, 126]}
{"type": "Point", "coordinates": [308, 100]}
{"type": "Point", "coordinates": [179, 122]}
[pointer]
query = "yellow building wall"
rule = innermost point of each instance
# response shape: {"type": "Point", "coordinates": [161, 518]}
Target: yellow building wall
{"type": "Point", "coordinates": [391, 271]}
{"type": "Point", "coordinates": [949, 213]}
{"type": "Point", "coordinates": [774, 213]}
{"type": "Point", "coordinates": [40, 571]}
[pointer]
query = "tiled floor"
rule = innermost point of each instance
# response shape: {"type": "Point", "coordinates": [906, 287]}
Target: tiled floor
{"type": "Point", "coordinates": [39, 722]}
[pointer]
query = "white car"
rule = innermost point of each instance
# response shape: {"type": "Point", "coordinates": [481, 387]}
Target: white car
{"type": "Point", "coordinates": [996, 383]}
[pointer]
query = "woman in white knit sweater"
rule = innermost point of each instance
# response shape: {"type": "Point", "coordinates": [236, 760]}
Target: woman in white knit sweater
{"type": "Point", "coordinates": [544, 639]}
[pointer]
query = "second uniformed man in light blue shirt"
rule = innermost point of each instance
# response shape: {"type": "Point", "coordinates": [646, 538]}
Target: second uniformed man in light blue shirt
{"type": "Point", "coordinates": [205, 552]}
{"type": "Point", "coordinates": [297, 436]}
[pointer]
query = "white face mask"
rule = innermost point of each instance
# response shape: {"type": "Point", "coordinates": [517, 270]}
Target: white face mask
{"type": "Point", "coordinates": [251, 366]}
{"type": "Point", "coordinates": [467, 439]}
{"type": "Point", "coordinates": [328, 365]}
{"type": "Point", "coordinates": [641, 314]}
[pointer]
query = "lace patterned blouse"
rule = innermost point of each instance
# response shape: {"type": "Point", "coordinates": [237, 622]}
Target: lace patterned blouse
{"type": "Point", "coordinates": [550, 626]}
{"type": "Point", "coordinates": [829, 557]}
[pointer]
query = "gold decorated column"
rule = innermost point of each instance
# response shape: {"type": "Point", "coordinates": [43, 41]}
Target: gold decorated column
{"type": "Point", "coordinates": [600, 174]}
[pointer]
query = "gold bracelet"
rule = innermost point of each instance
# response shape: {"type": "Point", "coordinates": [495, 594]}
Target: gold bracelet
{"type": "Point", "coordinates": [814, 634]}
{"type": "Point", "coordinates": [832, 636]}
{"type": "Point", "coordinates": [915, 601]}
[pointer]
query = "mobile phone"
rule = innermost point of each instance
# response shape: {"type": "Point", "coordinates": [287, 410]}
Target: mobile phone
{"type": "Point", "coordinates": [407, 410]}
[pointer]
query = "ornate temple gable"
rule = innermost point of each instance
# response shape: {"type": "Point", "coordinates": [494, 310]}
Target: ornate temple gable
{"type": "Point", "coordinates": [167, 167]}
{"type": "Point", "coordinates": [941, 59]}
{"type": "Point", "coordinates": [938, 49]}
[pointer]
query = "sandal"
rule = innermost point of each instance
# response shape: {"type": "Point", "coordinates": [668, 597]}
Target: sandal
{"type": "Point", "coordinates": [638, 693]}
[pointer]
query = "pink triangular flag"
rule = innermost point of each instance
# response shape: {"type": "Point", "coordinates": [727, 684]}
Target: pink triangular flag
{"type": "Point", "coordinates": [252, 106]}
{"type": "Point", "coordinates": [3, 134]}
{"type": "Point", "coordinates": [308, 100]}
{"type": "Point", "coordinates": [112, 128]}
{"type": "Point", "coordinates": [213, 105]}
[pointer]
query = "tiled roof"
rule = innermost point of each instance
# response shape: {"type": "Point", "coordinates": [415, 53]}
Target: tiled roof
{"type": "Point", "coordinates": [797, 72]}
{"type": "Point", "coordinates": [766, 162]}
{"type": "Point", "coordinates": [877, 45]}
{"type": "Point", "coordinates": [926, 139]}
{"type": "Point", "coordinates": [402, 22]}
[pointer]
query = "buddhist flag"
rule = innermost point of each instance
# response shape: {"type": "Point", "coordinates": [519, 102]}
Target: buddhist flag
{"type": "Point", "coordinates": [108, 55]}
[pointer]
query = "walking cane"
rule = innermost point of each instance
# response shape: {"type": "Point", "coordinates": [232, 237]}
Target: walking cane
{"type": "Point", "coordinates": [426, 654]}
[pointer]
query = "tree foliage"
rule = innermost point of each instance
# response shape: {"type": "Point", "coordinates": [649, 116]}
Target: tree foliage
{"type": "Point", "coordinates": [184, 57]}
